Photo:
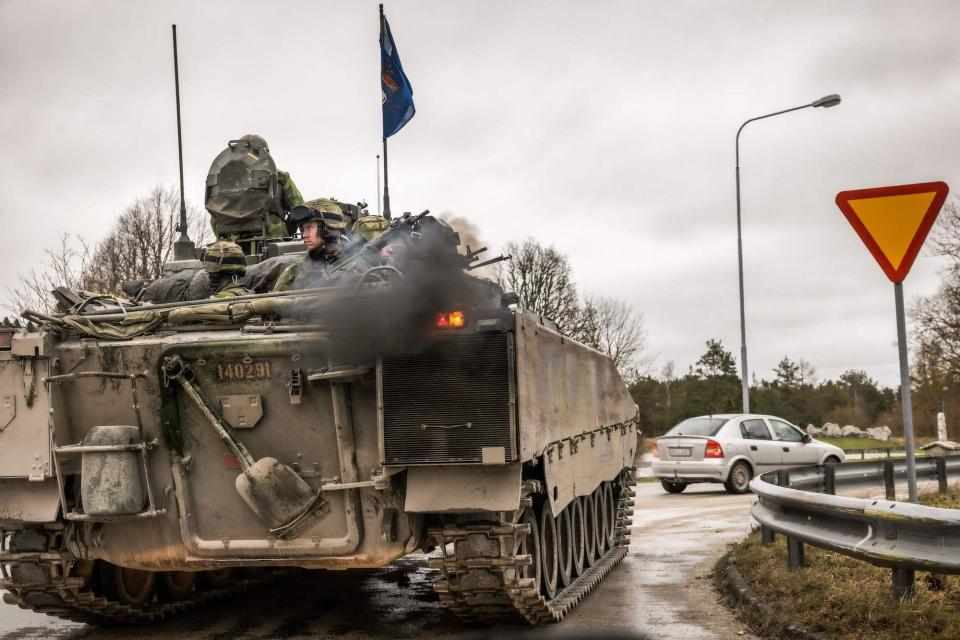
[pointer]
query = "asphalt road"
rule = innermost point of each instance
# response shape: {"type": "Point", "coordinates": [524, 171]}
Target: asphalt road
{"type": "Point", "coordinates": [661, 590]}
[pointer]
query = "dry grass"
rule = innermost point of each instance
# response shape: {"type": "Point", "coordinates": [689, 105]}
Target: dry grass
{"type": "Point", "coordinates": [845, 598]}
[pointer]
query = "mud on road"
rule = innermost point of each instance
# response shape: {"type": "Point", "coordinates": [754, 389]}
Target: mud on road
{"type": "Point", "coordinates": [661, 590]}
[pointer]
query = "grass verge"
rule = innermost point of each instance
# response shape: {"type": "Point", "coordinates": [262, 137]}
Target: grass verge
{"type": "Point", "coordinates": [845, 598]}
{"type": "Point", "coordinates": [859, 443]}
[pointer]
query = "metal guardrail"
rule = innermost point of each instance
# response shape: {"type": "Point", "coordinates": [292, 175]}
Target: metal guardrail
{"type": "Point", "coordinates": [886, 451]}
{"type": "Point", "coordinates": [801, 504]}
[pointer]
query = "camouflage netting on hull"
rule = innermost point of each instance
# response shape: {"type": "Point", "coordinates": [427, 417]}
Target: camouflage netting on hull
{"type": "Point", "coordinates": [133, 324]}
{"type": "Point", "coordinates": [137, 323]}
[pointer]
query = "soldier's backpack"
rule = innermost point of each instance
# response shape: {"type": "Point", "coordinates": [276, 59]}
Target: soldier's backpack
{"type": "Point", "coordinates": [243, 194]}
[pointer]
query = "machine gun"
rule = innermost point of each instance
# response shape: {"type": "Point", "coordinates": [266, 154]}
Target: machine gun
{"type": "Point", "coordinates": [361, 249]}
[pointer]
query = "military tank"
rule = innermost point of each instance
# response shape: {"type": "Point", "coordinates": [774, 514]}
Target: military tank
{"type": "Point", "coordinates": [156, 457]}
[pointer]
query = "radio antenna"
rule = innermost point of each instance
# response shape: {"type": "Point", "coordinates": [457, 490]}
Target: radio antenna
{"type": "Point", "coordinates": [183, 248]}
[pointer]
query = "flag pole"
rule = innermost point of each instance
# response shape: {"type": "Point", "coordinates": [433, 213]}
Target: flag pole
{"type": "Point", "coordinates": [386, 180]}
{"type": "Point", "coordinates": [379, 210]}
{"type": "Point", "coordinates": [386, 184]}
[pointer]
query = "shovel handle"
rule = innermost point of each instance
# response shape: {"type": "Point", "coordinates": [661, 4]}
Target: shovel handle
{"type": "Point", "coordinates": [175, 370]}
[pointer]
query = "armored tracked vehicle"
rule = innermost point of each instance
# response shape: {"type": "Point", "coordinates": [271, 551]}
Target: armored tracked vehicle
{"type": "Point", "coordinates": [153, 458]}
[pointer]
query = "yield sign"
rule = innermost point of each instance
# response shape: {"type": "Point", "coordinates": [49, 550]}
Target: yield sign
{"type": "Point", "coordinates": [894, 221]}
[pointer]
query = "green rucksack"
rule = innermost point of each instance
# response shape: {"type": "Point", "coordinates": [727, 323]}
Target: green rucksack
{"type": "Point", "coordinates": [243, 195]}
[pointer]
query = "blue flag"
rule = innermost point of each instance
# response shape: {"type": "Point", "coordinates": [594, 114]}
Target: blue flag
{"type": "Point", "coordinates": [397, 93]}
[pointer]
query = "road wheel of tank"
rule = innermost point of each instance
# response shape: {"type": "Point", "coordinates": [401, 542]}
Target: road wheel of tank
{"type": "Point", "coordinates": [600, 517]}
{"type": "Point", "coordinates": [175, 585]}
{"type": "Point", "coordinates": [565, 546]}
{"type": "Point", "coordinates": [216, 579]}
{"type": "Point", "coordinates": [589, 530]}
{"type": "Point", "coordinates": [530, 544]}
{"type": "Point", "coordinates": [610, 498]}
{"type": "Point", "coordinates": [739, 479]}
{"type": "Point", "coordinates": [132, 587]}
{"type": "Point", "coordinates": [549, 550]}
{"type": "Point", "coordinates": [577, 527]}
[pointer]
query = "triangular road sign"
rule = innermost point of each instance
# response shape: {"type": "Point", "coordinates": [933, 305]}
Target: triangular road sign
{"type": "Point", "coordinates": [894, 221]}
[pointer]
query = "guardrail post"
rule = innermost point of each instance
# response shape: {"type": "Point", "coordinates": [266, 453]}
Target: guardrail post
{"type": "Point", "coordinates": [783, 477]}
{"type": "Point", "coordinates": [888, 481]}
{"type": "Point", "coordinates": [767, 535]}
{"type": "Point", "coordinates": [888, 452]}
{"type": "Point", "coordinates": [903, 583]}
{"type": "Point", "coordinates": [830, 479]}
{"type": "Point", "coordinates": [942, 474]}
{"type": "Point", "coordinates": [863, 454]}
{"type": "Point", "coordinates": [795, 558]}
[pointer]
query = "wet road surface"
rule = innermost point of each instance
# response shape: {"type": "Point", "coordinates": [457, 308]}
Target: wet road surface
{"type": "Point", "coordinates": [661, 590]}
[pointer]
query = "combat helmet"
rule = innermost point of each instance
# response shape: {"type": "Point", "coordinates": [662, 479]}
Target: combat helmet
{"type": "Point", "coordinates": [370, 227]}
{"type": "Point", "coordinates": [224, 256]}
{"type": "Point", "coordinates": [323, 210]}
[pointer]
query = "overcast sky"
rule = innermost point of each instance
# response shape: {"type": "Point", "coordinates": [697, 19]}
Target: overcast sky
{"type": "Point", "coordinates": [603, 128]}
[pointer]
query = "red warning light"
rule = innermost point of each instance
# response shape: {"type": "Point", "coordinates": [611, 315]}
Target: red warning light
{"type": "Point", "coordinates": [454, 319]}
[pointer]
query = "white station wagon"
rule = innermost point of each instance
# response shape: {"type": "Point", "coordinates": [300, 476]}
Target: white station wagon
{"type": "Point", "coordinates": [732, 448]}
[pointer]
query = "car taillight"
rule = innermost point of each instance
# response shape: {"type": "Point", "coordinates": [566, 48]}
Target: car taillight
{"type": "Point", "coordinates": [655, 451]}
{"type": "Point", "coordinates": [713, 450]}
{"type": "Point", "coordinates": [454, 320]}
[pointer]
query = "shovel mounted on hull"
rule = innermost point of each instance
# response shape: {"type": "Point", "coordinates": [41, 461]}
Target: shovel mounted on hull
{"type": "Point", "coordinates": [274, 491]}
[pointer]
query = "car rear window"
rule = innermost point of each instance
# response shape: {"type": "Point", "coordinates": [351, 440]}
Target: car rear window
{"type": "Point", "coordinates": [698, 427]}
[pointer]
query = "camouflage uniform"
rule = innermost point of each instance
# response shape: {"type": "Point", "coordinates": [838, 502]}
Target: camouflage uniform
{"type": "Point", "coordinates": [312, 270]}
{"type": "Point", "coordinates": [369, 227]}
{"type": "Point", "coordinates": [289, 194]}
{"type": "Point", "coordinates": [225, 265]}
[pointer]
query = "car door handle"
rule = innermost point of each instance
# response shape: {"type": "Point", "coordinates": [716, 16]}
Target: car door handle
{"type": "Point", "coordinates": [786, 449]}
{"type": "Point", "coordinates": [753, 447]}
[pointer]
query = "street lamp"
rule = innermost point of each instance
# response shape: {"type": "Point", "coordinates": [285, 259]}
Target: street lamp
{"type": "Point", "coordinates": [831, 100]}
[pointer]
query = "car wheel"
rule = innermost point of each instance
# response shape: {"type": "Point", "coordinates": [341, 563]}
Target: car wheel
{"type": "Point", "coordinates": [831, 460]}
{"type": "Point", "coordinates": [739, 479]}
{"type": "Point", "coordinates": [673, 487]}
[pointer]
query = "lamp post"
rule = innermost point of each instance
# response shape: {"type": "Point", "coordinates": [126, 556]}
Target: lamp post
{"type": "Point", "coordinates": [831, 100]}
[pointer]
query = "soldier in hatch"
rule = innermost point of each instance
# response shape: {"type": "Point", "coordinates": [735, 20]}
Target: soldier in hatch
{"type": "Point", "coordinates": [371, 227]}
{"type": "Point", "coordinates": [225, 265]}
{"type": "Point", "coordinates": [246, 195]}
{"type": "Point", "coordinates": [321, 222]}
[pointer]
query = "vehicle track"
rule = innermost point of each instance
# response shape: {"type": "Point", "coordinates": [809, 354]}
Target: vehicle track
{"type": "Point", "coordinates": [492, 576]}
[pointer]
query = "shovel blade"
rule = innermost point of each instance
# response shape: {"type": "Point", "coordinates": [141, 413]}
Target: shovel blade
{"type": "Point", "coordinates": [278, 495]}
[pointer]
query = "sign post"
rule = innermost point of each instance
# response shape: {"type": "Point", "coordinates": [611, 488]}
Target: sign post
{"type": "Point", "coordinates": [893, 223]}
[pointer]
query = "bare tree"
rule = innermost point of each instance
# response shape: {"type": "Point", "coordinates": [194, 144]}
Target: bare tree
{"type": "Point", "coordinates": [807, 372]}
{"type": "Point", "coordinates": [613, 327]}
{"type": "Point", "coordinates": [141, 241]}
{"type": "Point", "coordinates": [542, 279]}
{"type": "Point", "coordinates": [136, 247]}
{"type": "Point", "coordinates": [937, 321]}
{"type": "Point", "coordinates": [946, 239]}
{"type": "Point", "coordinates": [63, 266]}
